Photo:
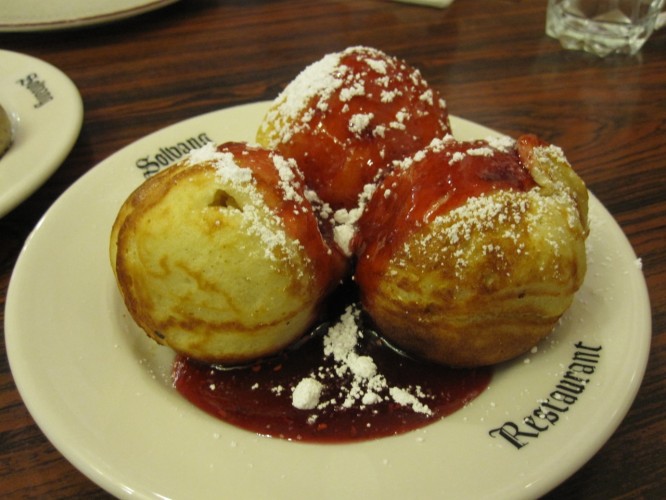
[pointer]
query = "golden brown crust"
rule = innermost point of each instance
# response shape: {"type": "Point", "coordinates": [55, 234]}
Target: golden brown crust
{"type": "Point", "coordinates": [205, 267]}
{"type": "Point", "coordinates": [485, 282]}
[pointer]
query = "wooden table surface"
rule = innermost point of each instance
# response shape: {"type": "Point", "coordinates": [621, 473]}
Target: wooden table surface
{"type": "Point", "coordinates": [494, 65]}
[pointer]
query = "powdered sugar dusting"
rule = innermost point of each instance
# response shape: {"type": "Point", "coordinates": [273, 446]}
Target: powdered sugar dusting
{"type": "Point", "coordinates": [502, 143]}
{"type": "Point", "coordinates": [318, 79]}
{"type": "Point", "coordinates": [313, 91]}
{"type": "Point", "coordinates": [224, 162]}
{"type": "Point", "coordinates": [377, 65]}
{"type": "Point", "coordinates": [366, 385]}
{"type": "Point", "coordinates": [502, 225]}
{"type": "Point", "coordinates": [290, 178]}
{"type": "Point", "coordinates": [344, 221]}
{"type": "Point", "coordinates": [359, 122]}
{"type": "Point", "coordinates": [306, 394]}
{"type": "Point", "coordinates": [481, 151]}
{"type": "Point", "coordinates": [258, 219]}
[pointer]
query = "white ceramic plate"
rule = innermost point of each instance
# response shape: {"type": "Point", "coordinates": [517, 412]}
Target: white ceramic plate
{"type": "Point", "coordinates": [46, 113]}
{"type": "Point", "coordinates": [41, 15]}
{"type": "Point", "coordinates": [101, 391]}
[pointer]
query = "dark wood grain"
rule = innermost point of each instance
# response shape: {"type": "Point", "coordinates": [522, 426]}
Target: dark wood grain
{"type": "Point", "coordinates": [489, 58]}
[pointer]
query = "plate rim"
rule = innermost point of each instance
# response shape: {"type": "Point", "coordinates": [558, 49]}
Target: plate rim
{"type": "Point", "coordinates": [79, 459]}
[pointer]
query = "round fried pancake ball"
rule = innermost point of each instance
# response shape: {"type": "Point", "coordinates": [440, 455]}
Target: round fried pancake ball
{"type": "Point", "coordinates": [348, 116]}
{"type": "Point", "coordinates": [469, 253]}
{"type": "Point", "coordinates": [220, 257]}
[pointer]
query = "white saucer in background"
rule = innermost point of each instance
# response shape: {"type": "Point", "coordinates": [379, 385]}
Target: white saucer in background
{"type": "Point", "coordinates": [42, 15]}
{"type": "Point", "coordinates": [46, 112]}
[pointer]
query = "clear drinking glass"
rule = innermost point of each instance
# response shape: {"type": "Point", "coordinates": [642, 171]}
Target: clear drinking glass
{"type": "Point", "coordinates": [603, 27]}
